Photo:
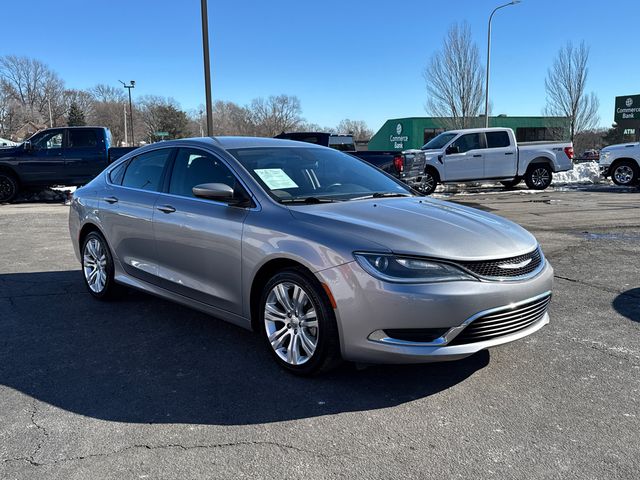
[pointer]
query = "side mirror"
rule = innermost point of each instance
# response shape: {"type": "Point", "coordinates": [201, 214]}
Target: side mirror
{"type": "Point", "coordinates": [28, 146]}
{"type": "Point", "coordinates": [452, 150]}
{"type": "Point", "coordinates": [214, 191]}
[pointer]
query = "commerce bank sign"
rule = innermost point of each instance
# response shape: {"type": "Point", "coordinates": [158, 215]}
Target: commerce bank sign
{"type": "Point", "coordinates": [627, 111]}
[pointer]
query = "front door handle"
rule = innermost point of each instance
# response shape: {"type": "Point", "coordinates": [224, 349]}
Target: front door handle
{"type": "Point", "coordinates": [110, 199]}
{"type": "Point", "coordinates": [509, 153]}
{"type": "Point", "coordinates": [477, 155]}
{"type": "Point", "coordinates": [166, 209]}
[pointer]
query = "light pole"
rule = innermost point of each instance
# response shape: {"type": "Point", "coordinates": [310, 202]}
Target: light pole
{"type": "Point", "coordinates": [207, 69]}
{"type": "Point", "coordinates": [132, 84]}
{"type": "Point", "coordinates": [486, 87]}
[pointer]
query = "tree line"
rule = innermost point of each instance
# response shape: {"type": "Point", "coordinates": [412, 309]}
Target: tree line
{"type": "Point", "coordinates": [32, 93]}
{"type": "Point", "coordinates": [454, 79]}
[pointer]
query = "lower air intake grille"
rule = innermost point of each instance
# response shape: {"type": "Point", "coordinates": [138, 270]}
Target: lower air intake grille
{"type": "Point", "coordinates": [504, 322]}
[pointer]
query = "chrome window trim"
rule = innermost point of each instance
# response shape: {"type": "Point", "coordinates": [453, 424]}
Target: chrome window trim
{"type": "Point", "coordinates": [107, 179]}
{"type": "Point", "coordinates": [379, 336]}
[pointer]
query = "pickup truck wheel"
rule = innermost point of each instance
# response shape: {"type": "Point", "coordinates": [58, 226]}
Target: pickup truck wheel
{"type": "Point", "coordinates": [538, 177]}
{"type": "Point", "coordinates": [511, 183]}
{"type": "Point", "coordinates": [625, 173]}
{"type": "Point", "coordinates": [8, 187]}
{"type": "Point", "coordinates": [428, 183]}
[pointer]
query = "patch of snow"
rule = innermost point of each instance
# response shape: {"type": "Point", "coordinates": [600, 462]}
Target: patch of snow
{"type": "Point", "coordinates": [587, 172]}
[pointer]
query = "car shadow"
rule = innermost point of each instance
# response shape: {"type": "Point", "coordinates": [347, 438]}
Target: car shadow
{"type": "Point", "coordinates": [628, 304]}
{"type": "Point", "coordinates": [146, 360]}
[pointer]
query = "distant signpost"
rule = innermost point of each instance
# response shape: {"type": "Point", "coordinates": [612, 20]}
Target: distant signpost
{"type": "Point", "coordinates": [161, 135]}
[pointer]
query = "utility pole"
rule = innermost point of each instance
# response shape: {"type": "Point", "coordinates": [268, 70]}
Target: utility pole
{"type": "Point", "coordinates": [132, 84]}
{"type": "Point", "coordinates": [124, 110]}
{"type": "Point", "coordinates": [50, 116]}
{"type": "Point", "coordinates": [486, 88]}
{"type": "Point", "coordinates": [207, 68]}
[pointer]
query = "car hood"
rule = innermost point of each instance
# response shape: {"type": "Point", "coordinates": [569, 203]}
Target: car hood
{"type": "Point", "coordinates": [8, 151]}
{"type": "Point", "coordinates": [622, 146]}
{"type": "Point", "coordinates": [422, 226]}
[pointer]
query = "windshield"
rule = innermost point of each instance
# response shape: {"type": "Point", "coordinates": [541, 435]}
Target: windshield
{"type": "Point", "coordinates": [439, 142]}
{"type": "Point", "coordinates": [313, 175]}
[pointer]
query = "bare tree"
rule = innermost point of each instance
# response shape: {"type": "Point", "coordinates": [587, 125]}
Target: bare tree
{"type": "Point", "coordinates": [275, 114]}
{"type": "Point", "coordinates": [454, 80]}
{"type": "Point", "coordinates": [107, 93]}
{"type": "Point", "coordinates": [566, 96]}
{"type": "Point", "coordinates": [357, 128]}
{"type": "Point", "coordinates": [36, 87]}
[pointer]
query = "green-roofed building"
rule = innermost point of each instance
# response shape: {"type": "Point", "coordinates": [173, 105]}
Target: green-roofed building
{"type": "Point", "coordinates": [413, 132]}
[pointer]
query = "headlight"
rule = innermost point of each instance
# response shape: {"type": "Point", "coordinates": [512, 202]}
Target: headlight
{"type": "Point", "coordinates": [399, 269]}
{"type": "Point", "coordinates": [604, 156]}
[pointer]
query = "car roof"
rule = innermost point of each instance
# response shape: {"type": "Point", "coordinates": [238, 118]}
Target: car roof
{"type": "Point", "coordinates": [478, 130]}
{"type": "Point", "coordinates": [238, 142]}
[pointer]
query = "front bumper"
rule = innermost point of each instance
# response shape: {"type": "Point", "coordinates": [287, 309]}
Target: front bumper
{"type": "Point", "coordinates": [366, 306]}
{"type": "Point", "coordinates": [605, 170]}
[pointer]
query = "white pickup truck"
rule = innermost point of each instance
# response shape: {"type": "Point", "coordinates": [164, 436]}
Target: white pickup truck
{"type": "Point", "coordinates": [621, 163]}
{"type": "Point", "coordinates": [460, 156]}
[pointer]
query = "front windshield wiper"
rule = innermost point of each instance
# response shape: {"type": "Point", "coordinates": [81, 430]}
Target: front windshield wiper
{"type": "Point", "coordinates": [382, 195]}
{"type": "Point", "coordinates": [307, 200]}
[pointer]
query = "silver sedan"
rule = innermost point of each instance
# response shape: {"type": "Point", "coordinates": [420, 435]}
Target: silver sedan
{"type": "Point", "coordinates": [327, 257]}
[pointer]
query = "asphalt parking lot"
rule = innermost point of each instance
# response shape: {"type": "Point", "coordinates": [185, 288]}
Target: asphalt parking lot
{"type": "Point", "coordinates": [142, 388]}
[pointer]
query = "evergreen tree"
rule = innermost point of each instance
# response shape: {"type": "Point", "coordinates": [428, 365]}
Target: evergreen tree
{"type": "Point", "coordinates": [76, 116]}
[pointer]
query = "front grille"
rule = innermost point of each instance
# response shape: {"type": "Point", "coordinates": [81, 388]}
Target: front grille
{"type": "Point", "coordinates": [503, 322]}
{"type": "Point", "coordinates": [506, 267]}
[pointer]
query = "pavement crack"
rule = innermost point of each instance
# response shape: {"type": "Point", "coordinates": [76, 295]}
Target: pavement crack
{"type": "Point", "coordinates": [620, 353]}
{"type": "Point", "coordinates": [169, 446]}
{"type": "Point", "coordinates": [599, 287]}
{"type": "Point", "coordinates": [42, 430]}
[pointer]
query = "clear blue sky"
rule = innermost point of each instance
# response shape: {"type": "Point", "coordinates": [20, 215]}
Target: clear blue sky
{"type": "Point", "coordinates": [357, 59]}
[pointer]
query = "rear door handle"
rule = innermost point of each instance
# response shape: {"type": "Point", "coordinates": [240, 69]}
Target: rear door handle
{"type": "Point", "coordinates": [110, 199]}
{"type": "Point", "coordinates": [508, 153]}
{"type": "Point", "coordinates": [477, 155]}
{"type": "Point", "coordinates": [166, 209]}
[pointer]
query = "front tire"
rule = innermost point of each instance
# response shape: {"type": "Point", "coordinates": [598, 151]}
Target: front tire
{"type": "Point", "coordinates": [625, 173]}
{"type": "Point", "coordinates": [9, 187]}
{"type": "Point", "coordinates": [428, 183]}
{"type": "Point", "coordinates": [538, 177]}
{"type": "Point", "coordinates": [298, 324]}
{"type": "Point", "coordinates": [98, 268]}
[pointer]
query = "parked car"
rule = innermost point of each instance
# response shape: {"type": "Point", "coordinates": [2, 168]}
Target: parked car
{"type": "Point", "coordinates": [390, 161]}
{"type": "Point", "coordinates": [470, 155]}
{"type": "Point", "coordinates": [621, 163]}
{"type": "Point", "coordinates": [56, 156]}
{"type": "Point", "coordinates": [327, 257]}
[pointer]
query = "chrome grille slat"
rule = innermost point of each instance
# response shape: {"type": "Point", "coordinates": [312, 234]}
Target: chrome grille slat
{"type": "Point", "coordinates": [535, 306]}
{"type": "Point", "coordinates": [492, 269]}
{"type": "Point", "coordinates": [496, 326]}
{"type": "Point", "coordinates": [522, 316]}
{"type": "Point", "coordinates": [503, 322]}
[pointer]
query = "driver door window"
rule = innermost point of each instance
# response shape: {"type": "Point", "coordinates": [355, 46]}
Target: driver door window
{"type": "Point", "coordinates": [470, 141]}
{"type": "Point", "coordinates": [195, 167]}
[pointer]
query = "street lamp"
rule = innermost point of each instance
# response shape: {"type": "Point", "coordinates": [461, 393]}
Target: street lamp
{"type": "Point", "coordinates": [486, 88]}
{"type": "Point", "coordinates": [132, 84]}
{"type": "Point", "coordinates": [207, 69]}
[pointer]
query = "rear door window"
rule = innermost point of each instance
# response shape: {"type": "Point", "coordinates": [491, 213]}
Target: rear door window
{"type": "Point", "coordinates": [497, 139]}
{"type": "Point", "coordinates": [84, 138]}
{"type": "Point", "coordinates": [145, 172]}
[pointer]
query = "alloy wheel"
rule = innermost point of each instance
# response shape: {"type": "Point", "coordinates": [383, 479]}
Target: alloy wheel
{"type": "Point", "coordinates": [624, 174]}
{"type": "Point", "coordinates": [7, 188]}
{"type": "Point", "coordinates": [291, 323]}
{"type": "Point", "coordinates": [95, 265]}
{"type": "Point", "coordinates": [540, 177]}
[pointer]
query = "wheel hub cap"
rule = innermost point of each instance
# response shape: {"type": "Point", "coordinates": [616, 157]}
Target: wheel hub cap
{"type": "Point", "coordinates": [291, 323]}
{"type": "Point", "coordinates": [540, 177]}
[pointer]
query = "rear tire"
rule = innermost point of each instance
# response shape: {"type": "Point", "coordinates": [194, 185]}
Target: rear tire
{"type": "Point", "coordinates": [511, 183]}
{"type": "Point", "coordinates": [9, 187]}
{"type": "Point", "coordinates": [98, 267]}
{"type": "Point", "coordinates": [297, 323]}
{"type": "Point", "coordinates": [538, 177]}
{"type": "Point", "coordinates": [625, 173]}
